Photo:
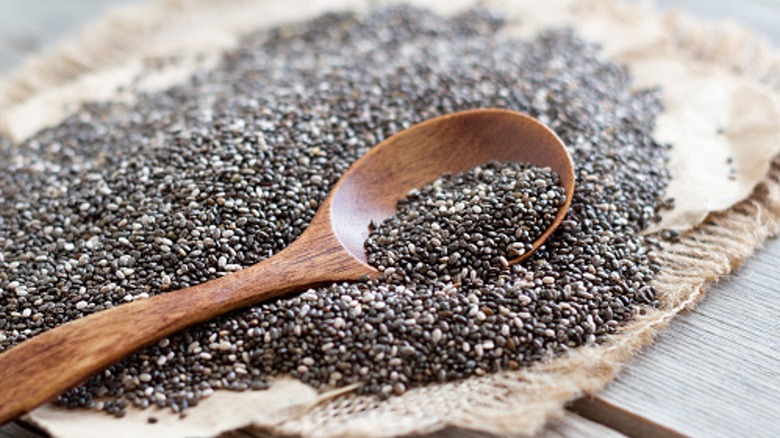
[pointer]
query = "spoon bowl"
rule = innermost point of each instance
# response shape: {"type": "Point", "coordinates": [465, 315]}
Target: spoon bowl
{"type": "Point", "coordinates": [329, 250]}
{"type": "Point", "coordinates": [454, 143]}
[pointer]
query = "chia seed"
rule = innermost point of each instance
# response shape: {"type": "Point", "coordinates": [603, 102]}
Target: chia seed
{"type": "Point", "coordinates": [121, 202]}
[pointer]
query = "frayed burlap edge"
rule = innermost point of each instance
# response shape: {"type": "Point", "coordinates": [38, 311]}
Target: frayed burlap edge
{"type": "Point", "coordinates": [521, 401]}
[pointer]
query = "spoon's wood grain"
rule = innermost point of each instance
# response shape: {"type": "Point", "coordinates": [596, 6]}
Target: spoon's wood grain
{"type": "Point", "coordinates": [331, 249]}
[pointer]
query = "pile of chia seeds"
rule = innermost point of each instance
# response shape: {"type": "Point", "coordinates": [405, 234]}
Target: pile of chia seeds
{"type": "Point", "coordinates": [120, 202]}
{"type": "Point", "coordinates": [466, 228]}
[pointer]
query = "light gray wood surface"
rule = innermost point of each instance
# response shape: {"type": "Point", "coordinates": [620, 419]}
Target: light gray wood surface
{"type": "Point", "coordinates": [15, 430]}
{"type": "Point", "coordinates": [715, 372]}
{"type": "Point", "coordinates": [576, 426]}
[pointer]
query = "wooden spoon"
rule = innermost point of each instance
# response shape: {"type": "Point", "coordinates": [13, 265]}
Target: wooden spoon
{"type": "Point", "coordinates": [331, 249]}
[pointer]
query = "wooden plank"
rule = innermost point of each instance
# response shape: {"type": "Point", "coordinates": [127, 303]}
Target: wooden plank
{"type": "Point", "coordinates": [716, 371]}
{"type": "Point", "coordinates": [621, 420]}
{"type": "Point", "coordinates": [572, 425]}
{"type": "Point", "coordinates": [15, 430]}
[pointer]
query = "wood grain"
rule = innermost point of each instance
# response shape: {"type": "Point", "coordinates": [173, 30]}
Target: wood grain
{"type": "Point", "coordinates": [571, 425]}
{"type": "Point", "coordinates": [330, 249]}
{"type": "Point", "coordinates": [15, 430]}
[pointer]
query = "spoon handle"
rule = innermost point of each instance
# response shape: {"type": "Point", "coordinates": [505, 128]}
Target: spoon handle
{"type": "Point", "coordinates": [48, 364]}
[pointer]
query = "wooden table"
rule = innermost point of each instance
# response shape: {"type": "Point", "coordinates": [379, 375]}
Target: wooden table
{"type": "Point", "coordinates": [714, 372]}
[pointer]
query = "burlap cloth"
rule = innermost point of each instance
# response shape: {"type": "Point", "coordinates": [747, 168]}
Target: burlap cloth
{"type": "Point", "coordinates": [721, 90]}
